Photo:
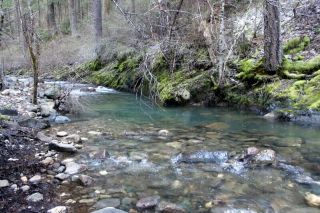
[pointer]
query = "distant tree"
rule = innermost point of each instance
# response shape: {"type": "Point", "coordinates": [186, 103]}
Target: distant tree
{"type": "Point", "coordinates": [27, 22]}
{"type": "Point", "coordinates": [97, 18]}
{"type": "Point", "coordinates": [72, 17]}
{"type": "Point", "coordinates": [272, 36]}
{"type": "Point", "coordinates": [51, 18]}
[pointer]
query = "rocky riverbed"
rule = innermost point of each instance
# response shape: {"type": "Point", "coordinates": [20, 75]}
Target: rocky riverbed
{"type": "Point", "coordinates": [53, 163]}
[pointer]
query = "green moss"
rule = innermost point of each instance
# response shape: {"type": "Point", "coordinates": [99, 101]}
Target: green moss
{"type": "Point", "coordinates": [250, 71]}
{"type": "Point", "coordinates": [296, 45]}
{"type": "Point", "coordinates": [304, 67]}
{"type": "Point", "coordinates": [4, 117]}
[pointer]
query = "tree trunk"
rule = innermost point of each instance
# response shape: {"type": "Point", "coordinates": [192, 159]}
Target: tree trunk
{"type": "Point", "coordinates": [221, 44]}
{"type": "Point", "coordinates": [272, 36]}
{"type": "Point", "coordinates": [106, 8]}
{"type": "Point", "coordinates": [97, 19]}
{"type": "Point", "coordinates": [72, 17]}
{"type": "Point", "coordinates": [51, 18]}
{"type": "Point", "coordinates": [2, 85]}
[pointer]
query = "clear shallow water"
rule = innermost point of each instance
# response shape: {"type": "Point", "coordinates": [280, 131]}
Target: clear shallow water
{"type": "Point", "coordinates": [140, 163]}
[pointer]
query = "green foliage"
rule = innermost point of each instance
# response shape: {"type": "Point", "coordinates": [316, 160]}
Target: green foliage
{"type": "Point", "coordinates": [304, 67]}
{"type": "Point", "coordinates": [250, 70]}
{"type": "Point", "coordinates": [44, 35]}
{"type": "Point", "coordinates": [4, 117]}
{"type": "Point", "coordinates": [296, 45]}
{"type": "Point", "coordinates": [65, 27]}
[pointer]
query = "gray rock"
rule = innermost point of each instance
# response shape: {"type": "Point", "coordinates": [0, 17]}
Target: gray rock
{"type": "Point", "coordinates": [35, 179]}
{"type": "Point", "coordinates": [51, 92]}
{"type": "Point", "coordinates": [35, 197]}
{"type": "Point", "coordinates": [47, 161]}
{"type": "Point", "coordinates": [109, 210]}
{"type": "Point", "coordinates": [58, 209]}
{"type": "Point", "coordinates": [148, 202]}
{"type": "Point", "coordinates": [73, 168]}
{"type": "Point", "coordinates": [62, 176]}
{"type": "Point", "coordinates": [46, 109]}
{"type": "Point", "coordinates": [202, 157]}
{"type": "Point", "coordinates": [109, 202]}
{"type": "Point", "coordinates": [265, 156]}
{"type": "Point", "coordinates": [42, 137]}
{"type": "Point", "coordinates": [87, 181]}
{"type": "Point", "coordinates": [62, 119]}
{"type": "Point", "coordinates": [166, 207]}
{"type": "Point", "coordinates": [4, 183]}
{"type": "Point", "coordinates": [25, 188]}
{"type": "Point", "coordinates": [74, 138]}
{"type": "Point", "coordinates": [62, 134]}
{"type": "Point", "coordinates": [34, 123]}
{"type": "Point", "coordinates": [60, 147]}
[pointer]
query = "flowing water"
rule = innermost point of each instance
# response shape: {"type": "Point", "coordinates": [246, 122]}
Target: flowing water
{"type": "Point", "coordinates": [141, 165]}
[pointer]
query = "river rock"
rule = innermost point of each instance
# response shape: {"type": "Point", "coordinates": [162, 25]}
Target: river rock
{"type": "Point", "coordinates": [101, 154]}
{"type": "Point", "coordinates": [47, 161]}
{"type": "Point", "coordinates": [60, 147]}
{"type": "Point", "coordinates": [148, 202]}
{"type": "Point", "coordinates": [62, 176]}
{"type": "Point", "coordinates": [252, 151]}
{"type": "Point", "coordinates": [58, 209]}
{"type": "Point", "coordinates": [266, 156]}
{"type": "Point", "coordinates": [166, 207]}
{"type": "Point", "coordinates": [46, 109]}
{"type": "Point", "coordinates": [312, 199]}
{"type": "Point", "coordinates": [4, 183]}
{"type": "Point", "coordinates": [86, 180]}
{"type": "Point", "coordinates": [109, 210]}
{"type": "Point", "coordinates": [35, 179]}
{"type": "Point", "coordinates": [73, 168]}
{"type": "Point", "coordinates": [164, 132]}
{"type": "Point", "coordinates": [34, 123]}
{"type": "Point", "coordinates": [74, 138]}
{"type": "Point", "coordinates": [42, 137]}
{"type": "Point", "coordinates": [51, 92]}
{"type": "Point", "coordinates": [62, 119]}
{"type": "Point", "coordinates": [109, 202]}
{"type": "Point", "coordinates": [35, 197]}
{"type": "Point", "coordinates": [62, 134]}
{"type": "Point", "coordinates": [202, 157]}
{"type": "Point", "coordinates": [25, 188]}
{"type": "Point", "coordinates": [94, 133]}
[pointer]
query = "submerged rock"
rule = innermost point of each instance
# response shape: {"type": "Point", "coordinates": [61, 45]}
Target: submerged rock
{"type": "Point", "coordinates": [148, 202]}
{"type": "Point", "coordinates": [267, 156]}
{"type": "Point", "coordinates": [34, 123]}
{"type": "Point", "coordinates": [109, 202]}
{"type": "Point", "coordinates": [62, 119]}
{"type": "Point", "coordinates": [312, 199]}
{"type": "Point", "coordinates": [73, 168]}
{"type": "Point", "coordinates": [109, 210]}
{"type": "Point", "coordinates": [86, 180]}
{"type": "Point", "coordinates": [166, 207]}
{"type": "Point", "coordinates": [60, 147]}
{"type": "Point", "coordinates": [202, 157]}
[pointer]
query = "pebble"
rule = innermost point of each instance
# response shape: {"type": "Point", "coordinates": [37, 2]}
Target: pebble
{"type": "Point", "coordinates": [62, 176]}
{"type": "Point", "coordinates": [86, 180]}
{"type": "Point", "coordinates": [4, 183]}
{"type": "Point", "coordinates": [312, 199]}
{"type": "Point", "coordinates": [35, 179]}
{"type": "Point", "coordinates": [47, 161]}
{"type": "Point", "coordinates": [25, 188]}
{"type": "Point", "coordinates": [35, 197]}
{"type": "Point", "coordinates": [58, 209]}
{"type": "Point", "coordinates": [62, 134]}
